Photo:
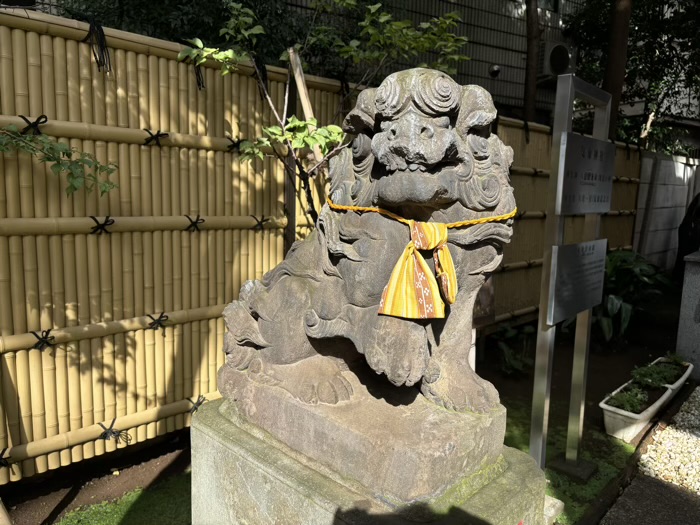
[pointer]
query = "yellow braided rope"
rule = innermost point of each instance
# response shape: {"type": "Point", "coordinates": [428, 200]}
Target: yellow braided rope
{"type": "Point", "coordinates": [459, 224]}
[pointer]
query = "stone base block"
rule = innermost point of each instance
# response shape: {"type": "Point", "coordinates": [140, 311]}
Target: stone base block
{"type": "Point", "coordinates": [251, 478]}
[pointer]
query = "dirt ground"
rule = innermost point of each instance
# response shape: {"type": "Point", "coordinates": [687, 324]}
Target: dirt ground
{"type": "Point", "coordinates": [44, 499]}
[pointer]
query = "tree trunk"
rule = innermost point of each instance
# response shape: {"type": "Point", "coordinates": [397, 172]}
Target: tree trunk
{"type": "Point", "coordinates": [533, 49]}
{"type": "Point", "coordinates": [617, 57]}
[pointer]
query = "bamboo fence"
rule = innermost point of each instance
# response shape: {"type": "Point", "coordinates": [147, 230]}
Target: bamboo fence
{"type": "Point", "coordinates": [136, 333]}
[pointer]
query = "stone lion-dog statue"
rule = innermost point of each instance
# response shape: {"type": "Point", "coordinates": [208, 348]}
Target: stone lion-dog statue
{"type": "Point", "coordinates": [419, 209]}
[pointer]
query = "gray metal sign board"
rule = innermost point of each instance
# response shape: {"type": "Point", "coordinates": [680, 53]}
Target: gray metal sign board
{"type": "Point", "coordinates": [578, 271]}
{"type": "Point", "coordinates": [586, 170]}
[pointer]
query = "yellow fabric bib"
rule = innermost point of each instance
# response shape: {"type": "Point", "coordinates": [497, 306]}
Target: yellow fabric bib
{"type": "Point", "coordinates": [412, 291]}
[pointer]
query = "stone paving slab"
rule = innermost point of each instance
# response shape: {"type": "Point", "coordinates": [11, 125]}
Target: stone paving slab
{"type": "Point", "coordinates": [649, 501]}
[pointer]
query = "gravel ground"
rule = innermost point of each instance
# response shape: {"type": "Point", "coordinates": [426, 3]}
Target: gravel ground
{"type": "Point", "coordinates": [672, 457]}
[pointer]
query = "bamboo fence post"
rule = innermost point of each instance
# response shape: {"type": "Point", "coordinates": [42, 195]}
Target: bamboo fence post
{"type": "Point", "coordinates": [203, 271]}
{"type": "Point", "coordinates": [219, 109]}
{"type": "Point", "coordinates": [244, 179]}
{"type": "Point", "coordinates": [5, 318]}
{"type": "Point", "coordinates": [220, 283]}
{"type": "Point", "coordinates": [129, 187]}
{"type": "Point", "coordinates": [52, 289]}
{"type": "Point", "coordinates": [228, 180]}
{"type": "Point", "coordinates": [68, 108]}
{"type": "Point", "coordinates": [167, 283]}
{"type": "Point", "coordinates": [211, 267]}
{"type": "Point", "coordinates": [118, 116]}
{"type": "Point", "coordinates": [29, 367]}
{"type": "Point", "coordinates": [255, 167]}
{"type": "Point", "coordinates": [203, 126]}
{"type": "Point", "coordinates": [95, 290]}
{"type": "Point", "coordinates": [238, 171]}
{"type": "Point", "coordinates": [177, 283]}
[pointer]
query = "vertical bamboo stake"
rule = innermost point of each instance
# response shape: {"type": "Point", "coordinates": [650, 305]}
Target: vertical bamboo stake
{"type": "Point", "coordinates": [188, 350]}
{"type": "Point", "coordinates": [53, 303]}
{"type": "Point", "coordinates": [95, 312]}
{"type": "Point", "coordinates": [243, 183]}
{"type": "Point", "coordinates": [85, 60]}
{"type": "Point", "coordinates": [68, 108]}
{"type": "Point", "coordinates": [172, 255]}
{"type": "Point", "coordinates": [80, 108]}
{"type": "Point", "coordinates": [219, 110]}
{"type": "Point", "coordinates": [30, 387]}
{"type": "Point", "coordinates": [210, 111]}
{"type": "Point", "coordinates": [139, 306]}
{"type": "Point", "coordinates": [13, 316]}
{"type": "Point", "coordinates": [220, 282]}
{"type": "Point", "coordinates": [176, 304]}
{"type": "Point", "coordinates": [204, 257]}
{"type": "Point", "coordinates": [130, 187]}
{"type": "Point", "coordinates": [5, 317]}
{"type": "Point", "coordinates": [255, 168]}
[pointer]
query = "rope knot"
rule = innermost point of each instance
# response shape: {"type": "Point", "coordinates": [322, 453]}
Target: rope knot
{"type": "Point", "coordinates": [43, 340]}
{"type": "Point", "coordinates": [154, 137]}
{"type": "Point", "coordinates": [33, 127]}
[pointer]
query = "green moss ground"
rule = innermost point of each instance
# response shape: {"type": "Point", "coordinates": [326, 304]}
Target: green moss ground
{"type": "Point", "coordinates": [608, 453]}
{"type": "Point", "coordinates": [164, 503]}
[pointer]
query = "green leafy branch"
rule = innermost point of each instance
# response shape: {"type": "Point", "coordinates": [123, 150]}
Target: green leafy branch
{"type": "Point", "coordinates": [299, 134]}
{"type": "Point", "coordinates": [82, 170]}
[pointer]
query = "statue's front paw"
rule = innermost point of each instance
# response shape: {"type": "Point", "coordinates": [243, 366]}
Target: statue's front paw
{"type": "Point", "coordinates": [399, 350]}
{"type": "Point", "coordinates": [462, 392]}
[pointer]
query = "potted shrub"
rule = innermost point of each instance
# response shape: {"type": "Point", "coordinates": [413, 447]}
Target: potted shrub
{"type": "Point", "coordinates": [629, 408]}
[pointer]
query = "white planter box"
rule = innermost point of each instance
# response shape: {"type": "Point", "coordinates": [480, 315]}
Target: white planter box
{"type": "Point", "coordinates": [675, 387]}
{"type": "Point", "coordinates": [626, 425]}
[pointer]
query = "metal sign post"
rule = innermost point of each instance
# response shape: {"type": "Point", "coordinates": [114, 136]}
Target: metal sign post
{"type": "Point", "coordinates": [580, 182]}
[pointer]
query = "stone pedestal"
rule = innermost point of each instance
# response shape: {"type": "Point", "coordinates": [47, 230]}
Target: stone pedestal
{"type": "Point", "coordinates": [688, 345]}
{"type": "Point", "coordinates": [242, 475]}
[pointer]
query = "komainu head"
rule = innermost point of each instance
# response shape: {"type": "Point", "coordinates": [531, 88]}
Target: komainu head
{"type": "Point", "coordinates": [422, 140]}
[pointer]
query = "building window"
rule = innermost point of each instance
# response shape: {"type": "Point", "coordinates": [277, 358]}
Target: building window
{"type": "Point", "coordinates": [549, 5]}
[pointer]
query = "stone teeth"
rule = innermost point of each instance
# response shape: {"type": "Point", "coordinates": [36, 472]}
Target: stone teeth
{"type": "Point", "coordinates": [672, 455]}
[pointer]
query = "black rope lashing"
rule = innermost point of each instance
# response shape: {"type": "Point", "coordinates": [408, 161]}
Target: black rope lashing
{"type": "Point", "coordinates": [199, 77]}
{"type": "Point", "coordinates": [155, 324]}
{"type": "Point", "coordinates": [44, 340]}
{"type": "Point", "coordinates": [235, 144]}
{"type": "Point", "coordinates": [101, 227]}
{"type": "Point", "coordinates": [33, 127]}
{"type": "Point", "coordinates": [194, 223]}
{"type": "Point", "coordinates": [98, 42]}
{"type": "Point", "coordinates": [3, 459]}
{"type": "Point", "coordinates": [112, 433]}
{"type": "Point", "coordinates": [196, 404]}
{"type": "Point", "coordinates": [526, 127]}
{"type": "Point", "coordinates": [154, 137]}
{"type": "Point", "coordinates": [628, 150]}
{"type": "Point", "coordinates": [259, 223]}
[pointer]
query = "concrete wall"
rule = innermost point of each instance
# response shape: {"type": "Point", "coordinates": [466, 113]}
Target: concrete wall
{"type": "Point", "coordinates": [668, 184]}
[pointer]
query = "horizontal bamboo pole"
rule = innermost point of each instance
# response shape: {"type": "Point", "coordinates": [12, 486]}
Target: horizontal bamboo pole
{"type": "Point", "coordinates": [72, 29]}
{"type": "Point", "coordinates": [81, 130]}
{"type": "Point", "coordinates": [520, 265]}
{"type": "Point", "coordinates": [78, 225]}
{"type": "Point", "coordinates": [12, 343]}
{"type": "Point", "coordinates": [515, 313]}
{"type": "Point", "coordinates": [72, 438]}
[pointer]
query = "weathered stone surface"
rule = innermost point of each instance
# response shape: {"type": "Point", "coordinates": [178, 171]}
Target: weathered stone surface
{"type": "Point", "coordinates": [422, 150]}
{"type": "Point", "coordinates": [400, 448]}
{"type": "Point", "coordinates": [246, 479]}
{"type": "Point", "coordinates": [688, 343]}
{"type": "Point", "coordinates": [311, 432]}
